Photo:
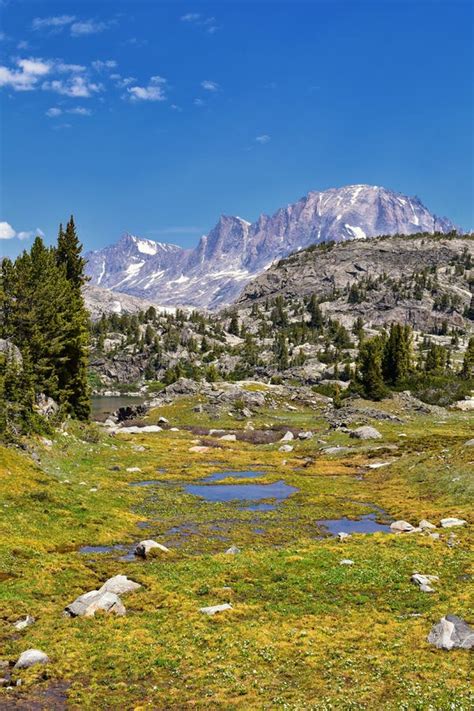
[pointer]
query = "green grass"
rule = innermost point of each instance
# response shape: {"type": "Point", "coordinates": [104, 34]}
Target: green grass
{"type": "Point", "coordinates": [304, 631]}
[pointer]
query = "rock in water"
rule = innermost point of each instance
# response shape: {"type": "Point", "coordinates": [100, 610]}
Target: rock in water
{"type": "Point", "coordinates": [88, 604]}
{"type": "Point", "coordinates": [144, 547]}
{"type": "Point", "coordinates": [215, 608]}
{"type": "Point", "coordinates": [366, 432]}
{"type": "Point", "coordinates": [30, 658]}
{"type": "Point", "coordinates": [450, 632]}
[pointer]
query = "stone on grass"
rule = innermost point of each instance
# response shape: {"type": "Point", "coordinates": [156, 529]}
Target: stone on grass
{"type": "Point", "coordinates": [401, 527]}
{"type": "Point", "coordinates": [198, 449]}
{"type": "Point", "coordinates": [426, 525]}
{"type": "Point", "coordinates": [378, 465]}
{"type": "Point", "coordinates": [174, 429]}
{"type": "Point", "coordinates": [469, 443]}
{"type": "Point", "coordinates": [229, 438]}
{"type": "Point", "coordinates": [450, 632]}
{"type": "Point", "coordinates": [163, 421]}
{"type": "Point", "coordinates": [287, 437]}
{"type": "Point", "coordinates": [346, 561]}
{"type": "Point", "coordinates": [133, 469]}
{"type": "Point", "coordinates": [213, 609]}
{"type": "Point", "coordinates": [134, 429]}
{"type": "Point", "coordinates": [285, 448]}
{"type": "Point", "coordinates": [89, 603]}
{"type": "Point", "coordinates": [30, 658]}
{"type": "Point", "coordinates": [233, 550]}
{"type": "Point", "coordinates": [144, 548]}
{"type": "Point", "coordinates": [305, 435]}
{"type": "Point", "coordinates": [424, 581]}
{"type": "Point", "coordinates": [23, 624]}
{"type": "Point", "coordinates": [343, 536]}
{"type": "Point", "coordinates": [451, 522]}
{"type": "Point", "coordinates": [119, 585]}
{"type": "Point", "coordinates": [366, 432]}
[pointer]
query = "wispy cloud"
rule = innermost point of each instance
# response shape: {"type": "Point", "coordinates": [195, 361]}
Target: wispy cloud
{"type": "Point", "coordinates": [103, 65]}
{"type": "Point", "coordinates": [198, 102]}
{"type": "Point", "coordinates": [77, 87]}
{"type": "Point", "coordinates": [208, 24]}
{"type": "Point", "coordinates": [210, 85]}
{"type": "Point", "coordinates": [56, 22]}
{"type": "Point", "coordinates": [7, 232]}
{"type": "Point", "coordinates": [264, 138]}
{"type": "Point", "coordinates": [55, 111]}
{"type": "Point", "coordinates": [88, 27]}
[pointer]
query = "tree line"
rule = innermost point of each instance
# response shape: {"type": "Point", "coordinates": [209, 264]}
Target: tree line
{"type": "Point", "coordinates": [44, 332]}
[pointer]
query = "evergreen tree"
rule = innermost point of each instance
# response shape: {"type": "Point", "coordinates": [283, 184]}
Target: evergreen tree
{"type": "Point", "coordinates": [397, 361]}
{"type": "Point", "coordinates": [316, 319]}
{"type": "Point", "coordinates": [370, 368]}
{"type": "Point", "coordinates": [234, 325]}
{"type": "Point", "coordinates": [467, 370]}
{"type": "Point", "coordinates": [68, 253]}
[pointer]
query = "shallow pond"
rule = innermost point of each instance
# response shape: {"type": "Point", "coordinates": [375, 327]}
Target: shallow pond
{"type": "Point", "coordinates": [364, 524]}
{"type": "Point", "coordinates": [241, 492]}
{"type": "Point", "coordinates": [102, 406]}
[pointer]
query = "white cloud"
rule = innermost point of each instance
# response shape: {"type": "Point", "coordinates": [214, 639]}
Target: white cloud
{"type": "Point", "coordinates": [56, 22]}
{"type": "Point", "coordinates": [263, 139]}
{"type": "Point", "coordinates": [80, 111]}
{"type": "Point", "coordinates": [122, 82]}
{"type": "Point", "coordinates": [65, 68]}
{"type": "Point", "coordinates": [210, 85]}
{"type": "Point", "coordinates": [76, 87]}
{"type": "Point", "coordinates": [101, 66]}
{"type": "Point", "coordinates": [53, 112]}
{"type": "Point", "coordinates": [198, 102]}
{"type": "Point", "coordinates": [26, 75]}
{"type": "Point", "coordinates": [88, 27]}
{"type": "Point", "coordinates": [7, 232]}
{"type": "Point", "coordinates": [157, 80]}
{"type": "Point", "coordinates": [152, 92]}
{"type": "Point", "coordinates": [206, 23]}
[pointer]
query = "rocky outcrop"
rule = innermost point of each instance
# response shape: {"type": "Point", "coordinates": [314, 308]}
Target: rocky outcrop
{"type": "Point", "coordinates": [450, 632]}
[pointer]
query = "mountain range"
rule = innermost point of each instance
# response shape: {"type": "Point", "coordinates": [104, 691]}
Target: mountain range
{"type": "Point", "coordinates": [235, 251]}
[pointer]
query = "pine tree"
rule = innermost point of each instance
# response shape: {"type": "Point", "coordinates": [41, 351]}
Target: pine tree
{"type": "Point", "coordinates": [370, 368]}
{"type": "Point", "coordinates": [68, 253]}
{"type": "Point", "coordinates": [467, 370]}
{"type": "Point", "coordinates": [397, 361]}
{"type": "Point", "coordinates": [316, 319]}
{"type": "Point", "coordinates": [234, 325]}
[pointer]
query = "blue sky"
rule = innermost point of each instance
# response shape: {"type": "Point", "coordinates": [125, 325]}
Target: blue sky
{"type": "Point", "coordinates": [155, 117]}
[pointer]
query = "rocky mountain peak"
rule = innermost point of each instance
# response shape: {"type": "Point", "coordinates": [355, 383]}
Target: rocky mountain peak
{"type": "Point", "coordinates": [235, 251]}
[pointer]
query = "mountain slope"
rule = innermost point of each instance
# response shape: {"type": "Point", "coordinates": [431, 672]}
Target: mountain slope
{"type": "Point", "coordinates": [235, 251]}
{"type": "Point", "coordinates": [423, 280]}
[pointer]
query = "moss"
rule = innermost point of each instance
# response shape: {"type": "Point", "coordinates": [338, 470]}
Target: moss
{"type": "Point", "coordinates": [304, 631]}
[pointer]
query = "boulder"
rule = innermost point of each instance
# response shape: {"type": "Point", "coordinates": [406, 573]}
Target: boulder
{"type": "Point", "coordinates": [215, 608]}
{"type": "Point", "coordinates": [163, 421]}
{"type": "Point", "coordinates": [450, 632]}
{"type": "Point", "coordinates": [89, 603]}
{"type": "Point", "coordinates": [426, 525]}
{"type": "Point", "coordinates": [401, 527]}
{"type": "Point", "coordinates": [287, 437]}
{"type": "Point", "coordinates": [366, 432]}
{"type": "Point", "coordinates": [343, 536]}
{"type": "Point", "coordinates": [424, 581]}
{"type": "Point", "coordinates": [119, 585]}
{"type": "Point", "coordinates": [134, 429]}
{"type": "Point", "coordinates": [451, 522]}
{"type": "Point", "coordinates": [144, 547]}
{"type": "Point", "coordinates": [305, 435]}
{"type": "Point", "coordinates": [233, 550]}
{"type": "Point", "coordinates": [30, 658]}
{"type": "Point", "coordinates": [229, 438]}
{"type": "Point", "coordinates": [46, 406]}
{"type": "Point", "coordinates": [285, 448]}
{"type": "Point", "coordinates": [11, 352]}
{"type": "Point", "coordinates": [469, 443]}
{"type": "Point", "coordinates": [23, 624]}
